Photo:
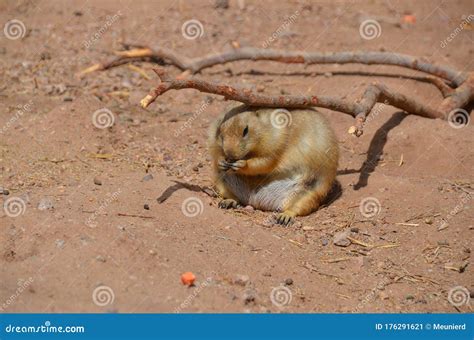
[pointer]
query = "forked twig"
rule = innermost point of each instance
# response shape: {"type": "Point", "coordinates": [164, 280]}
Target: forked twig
{"type": "Point", "coordinates": [375, 93]}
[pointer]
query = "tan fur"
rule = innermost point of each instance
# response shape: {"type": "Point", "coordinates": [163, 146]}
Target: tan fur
{"type": "Point", "coordinates": [278, 168]}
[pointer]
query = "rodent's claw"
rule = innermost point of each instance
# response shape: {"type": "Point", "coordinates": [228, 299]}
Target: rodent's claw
{"type": "Point", "coordinates": [223, 165]}
{"type": "Point", "coordinates": [228, 203]}
{"type": "Point", "coordinates": [284, 219]}
{"type": "Point", "coordinates": [238, 164]}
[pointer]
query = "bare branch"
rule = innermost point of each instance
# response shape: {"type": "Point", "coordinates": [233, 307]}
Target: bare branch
{"type": "Point", "coordinates": [291, 57]}
{"type": "Point", "coordinates": [375, 93]}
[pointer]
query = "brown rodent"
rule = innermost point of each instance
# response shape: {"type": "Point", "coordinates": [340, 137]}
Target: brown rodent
{"type": "Point", "coordinates": [273, 159]}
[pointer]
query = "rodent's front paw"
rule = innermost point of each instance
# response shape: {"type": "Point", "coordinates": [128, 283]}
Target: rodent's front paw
{"type": "Point", "coordinates": [284, 219]}
{"type": "Point", "coordinates": [238, 164]}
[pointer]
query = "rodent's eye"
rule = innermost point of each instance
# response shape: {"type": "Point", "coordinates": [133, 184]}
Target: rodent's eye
{"type": "Point", "coordinates": [246, 131]}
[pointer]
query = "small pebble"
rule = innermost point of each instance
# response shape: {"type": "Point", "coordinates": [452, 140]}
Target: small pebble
{"type": "Point", "coordinates": [289, 282]}
{"type": "Point", "coordinates": [410, 297]}
{"type": "Point", "coordinates": [45, 204]}
{"type": "Point", "coordinates": [355, 229]}
{"type": "Point", "coordinates": [249, 296]}
{"type": "Point", "coordinates": [60, 243]}
{"type": "Point", "coordinates": [249, 207]}
{"type": "Point", "coordinates": [341, 240]}
{"type": "Point", "coordinates": [152, 252]}
{"type": "Point", "coordinates": [100, 258]}
{"type": "Point", "coordinates": [97, 181]}
{"type": "Point", "coordinates": [146, 207]}
{"type": "Point", "coordinates": [324, 241]}
{"type": "Point", "coordinates": [223, 4]}
{"type": "Point", "coordinates": [428, 220]}
{"type": "Point", "coordinates": [241, 280]}
{"type": "Point", "coordinates": [147, 177]}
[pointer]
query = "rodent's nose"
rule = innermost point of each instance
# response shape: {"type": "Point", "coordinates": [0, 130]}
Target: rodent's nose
{"type": "Point", "coordinates": [230, 157]}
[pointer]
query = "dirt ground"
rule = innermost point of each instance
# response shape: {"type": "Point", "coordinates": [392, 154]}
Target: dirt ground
{"type": "Point", "coordinates": [83, 240]}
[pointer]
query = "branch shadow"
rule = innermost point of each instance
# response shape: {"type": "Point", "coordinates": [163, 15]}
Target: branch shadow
{"type": "Point", "coordinates": [376, 148]}
{"type": "Point", "coordinates": [181, 185]}
{"type": "Point", "coordinates": [254, 72]}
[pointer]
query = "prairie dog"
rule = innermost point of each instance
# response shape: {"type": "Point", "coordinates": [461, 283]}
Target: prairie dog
{"type": "Point", "coordinates": [273, 159]}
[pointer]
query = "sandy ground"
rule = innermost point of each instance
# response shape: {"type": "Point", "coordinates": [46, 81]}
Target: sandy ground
{"type": "Point", "coordinates": [77, 246]}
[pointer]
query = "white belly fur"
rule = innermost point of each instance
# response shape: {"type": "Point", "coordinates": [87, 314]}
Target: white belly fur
{"type": "Point", "coordinates": [270, 196]}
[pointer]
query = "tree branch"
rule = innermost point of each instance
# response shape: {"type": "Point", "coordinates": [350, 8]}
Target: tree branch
{"type": "Point", "coordinates": [375, 93]}
{"type": "Point", "coordinates": [291, 57]}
